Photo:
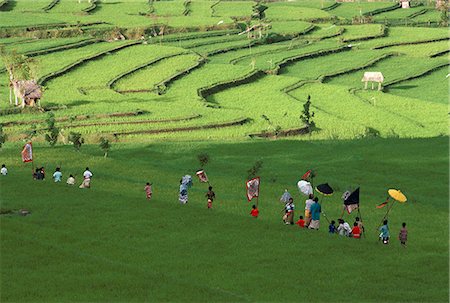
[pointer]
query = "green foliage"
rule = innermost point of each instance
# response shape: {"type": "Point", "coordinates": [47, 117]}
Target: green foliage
{"type": "Point", "coordinates": [307, 115]}
{"type": "Point", "coordinates": [105, 145]}
{"type": "Point", "coordinates": [444, 15]}
{"type": "Point", "coordinates": [255, 169]}
{"type": "Point", "coordinates": [52, 131]}
{"type": "Point", "coordinates": [203, 159]}
{"type": "Point", "coordinates": [259, 10]}
{"type": "Point", "coordinates": [3, 136]}
{"type": "Point", "coordinates": [18, 66]}
{"type": "Point", "coordinates": [31, 132]}
{"type": "Point", "coordinates": [77, 140]}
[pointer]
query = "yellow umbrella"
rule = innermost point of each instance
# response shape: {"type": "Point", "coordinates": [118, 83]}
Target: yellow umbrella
{"type": "Point", "coordinates": [397, 195]}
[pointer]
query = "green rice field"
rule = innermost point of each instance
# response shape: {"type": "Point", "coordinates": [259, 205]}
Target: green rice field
{"type": "Point", "coordinates": [165, 81]}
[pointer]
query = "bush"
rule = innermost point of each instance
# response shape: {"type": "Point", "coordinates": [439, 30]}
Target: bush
{"type": "Point", "coordinates": [52, 136]}
{"type": "Point", "coordinates": [203, 159]}
{"type": "Point", "coordinates": [76, 140]}
{"type": "Point", "coordinates": [306, 116]}
{"type": "Point", "coordinates": [105, 145]}
{"type": "Point", "coordinates": [3, 136]}
{"type": "Point", "coordinates": [254, 170]}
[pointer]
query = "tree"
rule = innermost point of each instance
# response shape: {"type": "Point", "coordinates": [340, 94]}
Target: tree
{"type": "Point", "coordinates": [31, 132]}
{"type": "Point", "coordinates": [203, 159]}
{"type": "Point", "coordinates": [52, 136]}
{"type": "Point", "coordinates": [444, 14]}
{"type": "Point", "coordinates": [254, 170]}
{"type": "Point", "coordinates": [3, 136]}
{"type": "Point", "coordinates": [105, 145]}
{"type": "Point", "coordinates": [307, 115]}
{"type": "Point", "coordinates": [19, 68]}
{"type": "Point", "coordinates": [76, 140]}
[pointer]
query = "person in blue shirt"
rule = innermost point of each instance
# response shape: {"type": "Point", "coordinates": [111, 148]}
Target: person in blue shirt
{"type": "Point", "coordinates": [384, 232]}
{"type": "Point", "coordinates": [316, 209]}
{"type": "Point", "coordinates": [332, 227]}
{"type": "Point", "coordinates": [57, 175]}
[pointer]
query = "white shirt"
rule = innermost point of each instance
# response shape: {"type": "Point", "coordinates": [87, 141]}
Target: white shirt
{"type": "Point", "coordinates": [344, 229]}
{"type": "Point", "coordinates": [71, 181]}
{"type": "Point", "coordinates": [87, 174]}
{"type": "Point", "coordinates": [308, 204]}
{"type": "Point", "coordinates": [4, 171]}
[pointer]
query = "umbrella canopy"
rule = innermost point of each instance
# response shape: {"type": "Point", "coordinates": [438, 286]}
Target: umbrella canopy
{"type": "Point", "coordinates": [325, 189]}
{"type": "Point", "coordinates": [305, 187]}
{"type": "Point", "coordinates": [353, 198]}
{"type": "Point", "coordinates": [397, 195]}
{"type": "Point", "coordinates": [285, 197]}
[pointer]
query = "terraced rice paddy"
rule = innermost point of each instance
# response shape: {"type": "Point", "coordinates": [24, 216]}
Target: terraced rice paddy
{"type": "Point", "coordinates": [166, 80]}
{"type": "Point", "coordinates": [222, 76]}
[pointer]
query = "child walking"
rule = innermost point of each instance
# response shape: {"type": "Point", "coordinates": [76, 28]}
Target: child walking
{"type": "Point", "coordinates": [210, 195]}
{"type": "Point", "coordinates": [254, 212]}
{"type": "Point", "coordinates": [403, 235]}
{"type": "Point", "coordinates": [148, 190]}
{"type": "Point", "coordinates": [384, 232]}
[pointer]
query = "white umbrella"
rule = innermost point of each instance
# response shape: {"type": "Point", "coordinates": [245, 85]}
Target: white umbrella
{"type": "Point", "coordinates": [305, 187]}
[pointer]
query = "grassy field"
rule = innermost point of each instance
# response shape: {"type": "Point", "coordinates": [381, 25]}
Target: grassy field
{"type": "Point", "coordinates": [164, 81]}
{"type": "Point", "coordinates": [117, 246]}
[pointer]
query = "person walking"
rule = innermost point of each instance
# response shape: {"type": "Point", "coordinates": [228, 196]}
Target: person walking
{"type": "Point", "coordinates": [87, 175]}
{"type": "Point", "coordinates": [384, 232]}
{"type": "Point", "coordinates": [308, 204]}
{"type": "Point", "coordinates": [316, 209]}
{"type": "Point", "coordinates": [4, 170]}
{"type": "Point", "coordinates": [403, 235]}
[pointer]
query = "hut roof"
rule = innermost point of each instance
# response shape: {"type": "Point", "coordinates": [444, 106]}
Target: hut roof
{"type": "Point", "coordinates": [29, 89]}
{"type": "Point", "coordinates": [373, 76]}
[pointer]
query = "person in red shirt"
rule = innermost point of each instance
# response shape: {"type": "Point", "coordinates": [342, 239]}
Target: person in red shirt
{"type": "Point", "coordinates": [300, 222]}
{"type": "Point", "coordinates": [356, 231]}
{"type": "Point", "coordinates": [254, 212]}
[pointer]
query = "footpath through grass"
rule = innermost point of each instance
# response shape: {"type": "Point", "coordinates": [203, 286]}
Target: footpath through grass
{"type": "Point", "coordinates": [110, 244]}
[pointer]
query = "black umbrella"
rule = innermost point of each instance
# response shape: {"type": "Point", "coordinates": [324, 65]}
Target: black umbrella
{"type": "Point", "coordinates": [325, 189]}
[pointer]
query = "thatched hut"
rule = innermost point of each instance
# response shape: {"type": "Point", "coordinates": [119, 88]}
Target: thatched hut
{"type": "Point", "coordinates": [28, 90]}
{"type": "Point", "coordinates": [405, 3]}
{"type": "Point", "coordinates": [373, 77]}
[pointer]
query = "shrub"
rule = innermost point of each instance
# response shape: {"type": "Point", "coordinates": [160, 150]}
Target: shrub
{"type": "Point", "coordinates": [306, 116]}
{"type": "Point", "coordinates": [52, 136]}
{"type": "Point", "coordinates": [203, 159]}
{"type": "Point", "coordinates": [105, 145]}
{"type": "Point", "coordinates": [254, 170]}
{"type": "Point", "coordinates": [76, 140]}
{"type": "Point", "coordinates": [3, 136]}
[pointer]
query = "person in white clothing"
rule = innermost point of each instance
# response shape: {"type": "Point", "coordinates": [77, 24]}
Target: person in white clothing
{"type": "Point", "coordinates": [70, 180]}
{"type": "Point", "coordinates": [87, 175]}
{"type": "Point", "coordinates": [308, 204]}
{"type": "Point", "coordinates": [344, 228]}
{"type": "Point", "coordinates": [4, 170]}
